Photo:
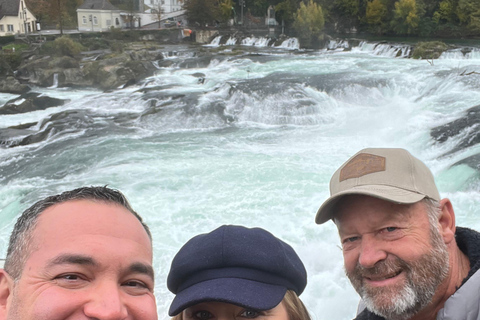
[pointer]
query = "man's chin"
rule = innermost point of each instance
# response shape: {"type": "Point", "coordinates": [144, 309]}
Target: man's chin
{"type": "Point", "coordinates": [391, 302]}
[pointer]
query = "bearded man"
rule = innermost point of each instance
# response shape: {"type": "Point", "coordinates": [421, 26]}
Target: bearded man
{"type": "Point", "coordinates": [402, 251]}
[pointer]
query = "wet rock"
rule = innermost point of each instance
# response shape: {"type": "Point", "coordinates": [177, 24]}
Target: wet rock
{"type": "Point", "coordinates": [466, 127]}
{"type": "Point", "coordinates": [30, 102]}
{"type": "Point", "coordinates": [11, 85]}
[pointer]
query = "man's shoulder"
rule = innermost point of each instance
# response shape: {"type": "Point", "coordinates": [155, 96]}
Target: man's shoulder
{"type": "Point", "coordinates": [464, 303]}
{"type": "Point", "coordinates": [468, 241]}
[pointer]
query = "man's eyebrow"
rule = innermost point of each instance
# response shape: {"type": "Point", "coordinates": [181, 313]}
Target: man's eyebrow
{"type": "Point", "coordinates": [142, 268]}
{"type": "Point", "coordinates": [71, 259]}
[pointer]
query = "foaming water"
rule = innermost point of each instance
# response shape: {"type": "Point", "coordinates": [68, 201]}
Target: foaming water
{"type": "Point", "coordinates": [250, 138]}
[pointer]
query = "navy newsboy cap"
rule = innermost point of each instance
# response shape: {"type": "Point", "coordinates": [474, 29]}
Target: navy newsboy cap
{"type": "Point", "coordinates": [233, 264]}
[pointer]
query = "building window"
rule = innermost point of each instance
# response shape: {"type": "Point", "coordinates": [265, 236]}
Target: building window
{"type": "Point", "coordinates": [95, 20]}
{"type": "Point", "coordinates": [84, 20]}
{"type": "Point", "coordinates": [109, 22]}
{"type": "Point", "coordinates": [117, 22]}
{"type": "Point", "coordinates": [10, 27]}
{"type": "Point", "coordinates": [1, 28]}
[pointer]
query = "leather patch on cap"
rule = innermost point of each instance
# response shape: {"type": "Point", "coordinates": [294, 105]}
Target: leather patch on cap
{"type": "Point", "coordinates": [362, 164]}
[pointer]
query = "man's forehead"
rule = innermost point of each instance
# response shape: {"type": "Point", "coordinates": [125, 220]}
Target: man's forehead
{"type": "Point", "coordinates": [89, 216]}
{"type": "Point", "coordinates": [359, 205]}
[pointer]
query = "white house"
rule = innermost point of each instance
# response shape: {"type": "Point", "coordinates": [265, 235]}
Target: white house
{"type": "Point", "coordinates": [15, 18]}
{"type": "Point", "coordinates": [98, 16]}
{"type": "Point", "coordinates": [167, 6]}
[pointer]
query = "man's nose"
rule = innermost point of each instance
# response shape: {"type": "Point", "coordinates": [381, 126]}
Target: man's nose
{"type": "Point", "coordinates": [106, 303]}
{"type": "Point", "coordinates": [371, 251]}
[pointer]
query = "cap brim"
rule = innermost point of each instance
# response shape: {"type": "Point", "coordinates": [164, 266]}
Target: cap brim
{"type": "Point", "coordinates": [241, 292]}
{"type": "Point", "coordinates": [387, 193]}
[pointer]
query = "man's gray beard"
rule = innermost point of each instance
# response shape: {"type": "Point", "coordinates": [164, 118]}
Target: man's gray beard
{"type": "Point", "coordinates": [423, 277]}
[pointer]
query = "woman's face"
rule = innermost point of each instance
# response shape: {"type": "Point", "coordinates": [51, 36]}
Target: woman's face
{"type": "Point", "coordinates": [225, 311]}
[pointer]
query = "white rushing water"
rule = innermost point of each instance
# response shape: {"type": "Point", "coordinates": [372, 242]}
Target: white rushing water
{"type": "Point", "coordinates": [249, 138]}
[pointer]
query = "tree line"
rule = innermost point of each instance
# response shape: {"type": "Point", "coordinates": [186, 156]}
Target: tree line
{"type": "Point", "coordinates": [309, 19]}
{"type": "Point", "coordinates": [435, 18]}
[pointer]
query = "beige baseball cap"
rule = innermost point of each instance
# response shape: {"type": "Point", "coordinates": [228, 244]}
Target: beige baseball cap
{"type": "Point", "coordinates": [390, 174]}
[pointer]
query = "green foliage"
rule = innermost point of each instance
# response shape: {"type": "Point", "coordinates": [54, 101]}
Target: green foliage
{"type": "Point", "coordinates": [285, 11]}
{"type": "Point", "coordinates": [95, 43]}
{"type": "Point", "coordinates": [225, 10]}
{"type": "Point", "coordinates": [117, 46]}
{"type": "Point", "coordinates": [345, 13]}
{"type": "Point", "coordinates": [62, 46]}
{"type": "Point", "coordinates": [468, 12]}
{"type": "Point", "coordinates": [18, 47]}
{"type": "Point", "coordinates": [427, 27]}
{"type": "Point", "coordinates": [406, 19]}
{"type": "Point", "coordinates": [376, 15]}
{"type": "Point", "coordinates": [309, 22]}
{"type": "Point", "coordinates": [202, 12]}
{"type": "Point", "coordinates": [429, 50]}
{"type": "Point", "coordinates": [6, 40]}
{"type": "Point", "coordinates": [445, 12]}
{"type": "Point", "coordinates": [9, 62]}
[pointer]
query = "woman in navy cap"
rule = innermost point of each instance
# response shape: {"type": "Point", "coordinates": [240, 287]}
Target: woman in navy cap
{"type": "Point", "coordinates": [235, 272]}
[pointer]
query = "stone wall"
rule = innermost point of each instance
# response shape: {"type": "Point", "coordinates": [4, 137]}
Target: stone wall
{"type": "Point", "coordinates": [205, 36]}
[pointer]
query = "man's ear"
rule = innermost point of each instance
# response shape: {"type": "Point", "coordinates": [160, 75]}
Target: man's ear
{"type": "Point", "coordinates": [6, 291]}
{"type": "Point", "coordinates": [447, 221]}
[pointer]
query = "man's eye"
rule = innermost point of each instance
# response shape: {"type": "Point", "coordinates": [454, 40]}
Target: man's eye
{"type": "Point", "coordinates": [250, 314]}
{"type": "Point", "coordinates": [69, 277]}
{"type": "Point", "coordinates": [203, 315]}
{"type": "Point", "coordinates": [391, 229]}
{"type": "Point", "coordinates": [71, 280]}
{"type": "Point", "coordinates": [134, 283]}
{"type": "Point", "coordinates": [351, 239]}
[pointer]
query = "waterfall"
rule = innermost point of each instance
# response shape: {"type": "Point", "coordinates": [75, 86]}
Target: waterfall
{"type": "Point", "coordinates": [290, 43]}
{"type": "Point", "coordinates": [55, 81]}
{"type": "Point", "coordinates": [215, 42]}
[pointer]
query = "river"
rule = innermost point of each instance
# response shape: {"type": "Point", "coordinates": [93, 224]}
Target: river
{"type": "Point", "coordinates": [251, 135]}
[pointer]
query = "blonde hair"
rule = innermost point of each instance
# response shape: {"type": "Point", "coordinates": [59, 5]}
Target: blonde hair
{"type": "Point", "coordinates": [296, 310]}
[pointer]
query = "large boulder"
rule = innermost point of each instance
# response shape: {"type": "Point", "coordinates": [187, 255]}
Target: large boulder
{"type": "Point", "coordinates": [107, 71]}
{"type": "Point", "coordinates": [11, 85]}
{"type": "Point", "coordinates": [30, 102]}
{"type": "Point", "coordinates": [41, 70]}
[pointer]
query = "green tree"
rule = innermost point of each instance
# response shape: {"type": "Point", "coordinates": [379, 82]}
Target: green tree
{"type": "Point", "coordinates": [309, 22]}
{"type": "Point", "coordinates": [406, 18]}
{"type": "Point", "coordinates": [445, 12]}
{"type": "Point", "coordinates": [285, 11]}
{"type": "Point", "coordinates": [225, 10]}
{"type": "Point", "coordinates": [376, 16]}
{"type": "Point", "coordinates": [468, 12]}
{"type": "Point", "coordinates": [62, 13]}
{"type": "Point", "coordinates": [201, 12]}
{"type": "Point", "coordinates": [345, 14]}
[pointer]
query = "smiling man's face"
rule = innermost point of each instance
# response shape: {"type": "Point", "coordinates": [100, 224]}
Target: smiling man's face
{"type": "Point", "coordinates": [392, 256]}
{"type": "Point", "coordinates": [87, 260]}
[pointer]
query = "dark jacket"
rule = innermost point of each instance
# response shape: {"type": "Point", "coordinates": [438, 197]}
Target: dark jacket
{"type": "Point", "coordinates": [464, 304]}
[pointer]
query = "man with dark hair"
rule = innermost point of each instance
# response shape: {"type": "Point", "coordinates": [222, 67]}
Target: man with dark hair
{"type": "Point", "coordinates": [83, 254]}
{"type": "Point", "coordinates": [402, 251]}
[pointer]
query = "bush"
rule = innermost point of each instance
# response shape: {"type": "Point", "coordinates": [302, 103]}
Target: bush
{"type": "Point", "coordinates": [429, 50]}
{"type": "Point", "coordinates": [63, 46]}
{"type": "Point", "coordinates": [9, 62]}
{"type": "Point", "coordinates": [117, 46]}
{"type": "Point", "coordinates": [6, 40]}
{"type": "Point", "coordinates": [94, 43]}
